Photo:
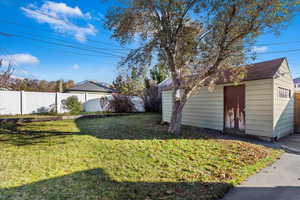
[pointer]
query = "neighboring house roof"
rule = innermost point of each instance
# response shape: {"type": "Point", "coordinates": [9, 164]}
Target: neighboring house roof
{"type": "Point", "coordinates": [91, 86]}
{"type": "Point", "coordinates": [255, 71]}
{"type": "Point", "coordinates": [165, 83]}
{"type": "Point", "coordinates": [297, 80]}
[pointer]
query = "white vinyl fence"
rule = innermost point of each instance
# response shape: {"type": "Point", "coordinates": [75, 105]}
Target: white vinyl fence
{"type": "Point", "coordinates": [15, 102]}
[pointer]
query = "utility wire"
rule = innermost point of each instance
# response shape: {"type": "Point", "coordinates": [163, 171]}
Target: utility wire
{"type": "Point", "coordinates": [45, 14]}
{"type": "Point", "coordinates": [283, 51]}
{"type": "Point", "coordinates": [45, 30]}
{"type": "Point", "coordinates": [106, 53]}
{"type": "Point", "coordinates": [18, 4]}
{"type": "Point", "coordinates": [277, 43]}
{"type": "Point", "coordinates": [123, 49]}
{"type": "Point", "coordinates": [101, 50]}
{"type": "Point", "coordinates": [101, 42]}
{"type": "Point", "coordinates": [65, 51]}
{"type": "Point", "coordinates": [56, 43]}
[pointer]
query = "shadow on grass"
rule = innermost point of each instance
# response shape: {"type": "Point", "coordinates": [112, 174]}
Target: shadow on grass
{"type": "Point", "coordinates": [113, 128]}
{"type": "Point", "coordinates": [96, 184]}
{"type": "Point", "coordinates": [29, 138]}
{"type": "Point", "coordinates": [134, 127]}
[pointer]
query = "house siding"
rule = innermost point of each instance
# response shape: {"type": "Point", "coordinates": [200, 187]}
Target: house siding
{"type": "Point", "coordinates": [166, 105]}
{"type": "Point", "coordinates": [283, 107]}
{"type": "Point", "coordinates": [259, 107]}
{"type": "Point", "coordinates": [206, 108]}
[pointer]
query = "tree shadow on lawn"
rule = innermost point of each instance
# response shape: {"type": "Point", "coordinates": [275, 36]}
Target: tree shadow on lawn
{"type": "Point", "coordinates": [103, 128]}
{"type": "Point", "coordinates": [120, 128]}
{"type": "Point", "coordinates": [96, 184]}
{"type": "Point", "coordinates": [31, 138]}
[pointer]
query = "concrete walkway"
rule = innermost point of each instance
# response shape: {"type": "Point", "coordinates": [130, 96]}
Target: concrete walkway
{"type": "Point", "coordinates": [291, 143]}
{"type": "Point", "coordinates": [280, 181]}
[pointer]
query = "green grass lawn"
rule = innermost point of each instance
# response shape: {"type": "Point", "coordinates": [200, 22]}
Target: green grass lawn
{"type": "Point", "coordinates": [41, 115]}
{"type": "Point", "coordinates": [129, 157]}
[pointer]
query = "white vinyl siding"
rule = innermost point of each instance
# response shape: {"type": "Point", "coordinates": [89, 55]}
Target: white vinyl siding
{"type": "Point", "coordinates": [283, 107]}
{"type": "Point", "coordinates": [204, 109]}
{"type": "Point", "coordinates": [166, 105]}
{"type": "Point", "coordinates": [259, 107]}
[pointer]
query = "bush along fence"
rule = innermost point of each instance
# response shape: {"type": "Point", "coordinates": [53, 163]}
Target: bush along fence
{"type": "Point", "coordinates": [21, 102]}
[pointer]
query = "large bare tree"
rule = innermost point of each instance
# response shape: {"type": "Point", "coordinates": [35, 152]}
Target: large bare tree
{"type": "Point", "coordinates": [198, 39]}
{"type": "Point", "coordinates": [5, 74]}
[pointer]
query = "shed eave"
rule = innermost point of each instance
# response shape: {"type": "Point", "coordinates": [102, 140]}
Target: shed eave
{"type": "Point", "coordinates": [231, 83]}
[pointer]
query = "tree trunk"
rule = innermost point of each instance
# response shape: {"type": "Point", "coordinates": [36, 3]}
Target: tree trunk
{"type": "Point", "coordinates": [178, 102]}
{"type": "Point", "coordinates": [176, 118]}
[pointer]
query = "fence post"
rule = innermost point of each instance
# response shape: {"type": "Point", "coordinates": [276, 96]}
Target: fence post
{"type": "Point", "coordinates": [22, 98]}
{"type": "Point", "coordinates": [56, 104]}
{"type": "Point", "coordinates": [57, 101]}
{"type": "Point", "coordinates": [21, 102]}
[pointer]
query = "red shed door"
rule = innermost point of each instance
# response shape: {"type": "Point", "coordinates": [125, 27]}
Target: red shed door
{"type": "Point", "coordinates": [234, 109]}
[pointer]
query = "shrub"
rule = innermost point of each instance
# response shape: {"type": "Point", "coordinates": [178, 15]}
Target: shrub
{"type": "Point", "coordinates": [7, 127]}
{"type": "Point", "coordinates": [152, 98]}
{"type": "Point", "coordinates": [121, 103]}
{"type": "Point", "coordinates": [53, 109]}
{"type": "Point", "coordinates": [73, 105]}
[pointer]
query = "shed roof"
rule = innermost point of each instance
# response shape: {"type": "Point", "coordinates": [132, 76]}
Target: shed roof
{"type": "Point", "coordinates": [91, 86]}
{"type": "Point", "coordinates": [262, 70]}
{"type": "Point", "coordinates": [255, 71]}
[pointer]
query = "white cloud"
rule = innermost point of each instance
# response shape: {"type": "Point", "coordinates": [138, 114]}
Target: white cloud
{"type": "Point", "coordinates": [24, 72]}
{"type": "Point", "coordinates": [75, 66]}
{"type": "Point", "coordinates": [261, 49]}
{"type": "Point", "coordinates": [61, 8]}
{"type": "Point", "coordinates": [58, 16]}
{"type": "Point", "coordinates": [19, 59]}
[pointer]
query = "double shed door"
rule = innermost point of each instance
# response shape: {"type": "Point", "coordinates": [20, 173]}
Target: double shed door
{"type": "Point", "coordinates": [234, 109]}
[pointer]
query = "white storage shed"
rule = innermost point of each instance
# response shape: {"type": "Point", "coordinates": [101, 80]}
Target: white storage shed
{"type": "Point", "coordinates": [262, 104]}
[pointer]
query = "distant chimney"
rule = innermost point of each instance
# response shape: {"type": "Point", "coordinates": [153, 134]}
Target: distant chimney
{"type": "Point", "coordinates": [60, 87]}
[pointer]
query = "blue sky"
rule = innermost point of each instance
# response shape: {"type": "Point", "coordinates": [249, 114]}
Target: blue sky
{"type": "Point", "coordinates": [80, 23]}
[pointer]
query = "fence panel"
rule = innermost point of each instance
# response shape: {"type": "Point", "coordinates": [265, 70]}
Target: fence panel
{"type": "Point", "coordinates": [20, 102]}
{"type": "Point", "coordinates": [10, 103]}
{"type": "Point", "coordinates": [38, 102]}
